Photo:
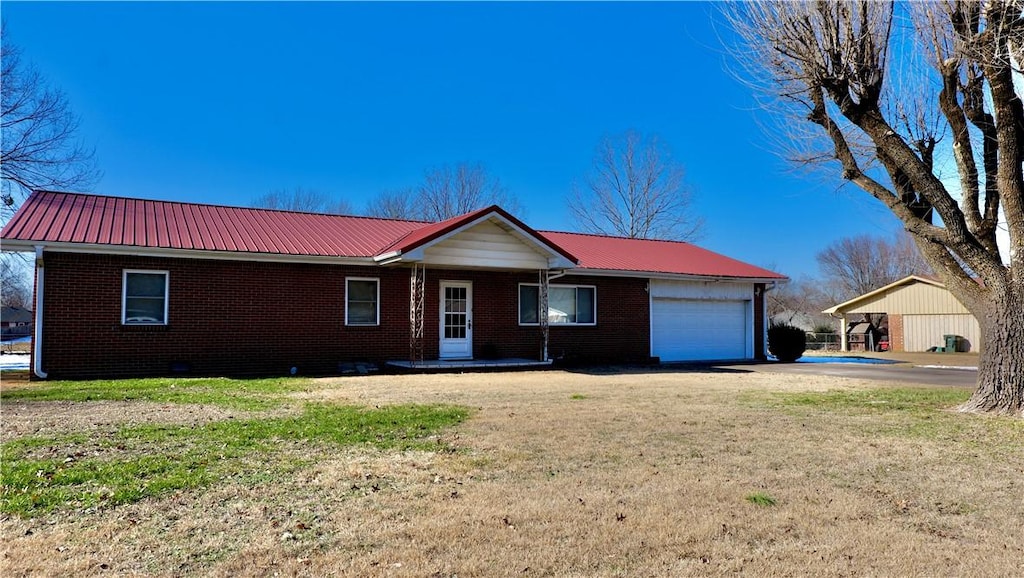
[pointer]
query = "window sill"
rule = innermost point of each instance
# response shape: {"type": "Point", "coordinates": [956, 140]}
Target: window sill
{"type": "Point", "coordinates": [553, 325]}
{"type": "Point", "coordinates": [144, 328]}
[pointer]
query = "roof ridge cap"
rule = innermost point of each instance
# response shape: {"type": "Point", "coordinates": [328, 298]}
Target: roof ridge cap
{"type": "Point", "coordinates": [620, 238]}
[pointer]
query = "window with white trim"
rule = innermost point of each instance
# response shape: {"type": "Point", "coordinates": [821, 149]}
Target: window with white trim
{"type": "Point", "coordinates": [362, 301]}
{"type": "Point", "coordinates": [144, 297]}
{"type": "Point", "coordinates": [567, 304]}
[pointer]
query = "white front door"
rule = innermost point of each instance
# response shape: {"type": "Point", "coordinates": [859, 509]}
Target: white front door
{"type": "Point", "coordinates": [456, 320]}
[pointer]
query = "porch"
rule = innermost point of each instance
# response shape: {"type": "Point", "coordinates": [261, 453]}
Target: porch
{"type": "Point", "coordinates": [467, 364]}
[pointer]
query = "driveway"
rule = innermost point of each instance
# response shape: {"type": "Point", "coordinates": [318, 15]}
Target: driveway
{"type": "Point", "coordinates": [900, 373]}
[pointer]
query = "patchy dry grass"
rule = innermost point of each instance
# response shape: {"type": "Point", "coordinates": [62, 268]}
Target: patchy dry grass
{"type": "Point", "coordinates": [249, 394]}
{"type": "Point", "coordinates": [589, 474]}
{"type": "Point", "coordinates": [74, 472]}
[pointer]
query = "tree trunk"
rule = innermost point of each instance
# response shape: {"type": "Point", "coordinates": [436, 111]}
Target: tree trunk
{"type": "Point", "coordinates": [1001, 364]}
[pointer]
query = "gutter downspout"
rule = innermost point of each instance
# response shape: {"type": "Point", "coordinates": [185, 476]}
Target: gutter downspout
{"type": "Point", "coordinates": [764, 312]}
{"type": "Point", "coordinates": [37, 338]}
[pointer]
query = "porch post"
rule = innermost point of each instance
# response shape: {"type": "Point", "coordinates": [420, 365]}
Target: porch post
{"type": "Point", "coordinates": [417, 289]}
{"type": "Point", "coordinates": [542, 314]}
{"type": "Point", "coordinates": [844, 339]}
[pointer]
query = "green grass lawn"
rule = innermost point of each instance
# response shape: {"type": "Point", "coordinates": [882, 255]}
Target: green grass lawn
{"type": "Point", "coordinates": [909, 412]}
{"type": "Point", "coordinates": [244, 394]}
{"type": "Point", "coordinates": [42, 474]}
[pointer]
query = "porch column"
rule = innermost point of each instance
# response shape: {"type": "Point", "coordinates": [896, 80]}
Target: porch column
{"type": "Point", "coordinates": [542, 313]}
{"type": "Point", "coordinates": [844, 339]}
{"type": "Point", "coordinates": [417, 291]}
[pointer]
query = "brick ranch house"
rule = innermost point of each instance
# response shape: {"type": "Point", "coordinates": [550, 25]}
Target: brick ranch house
{"type": "Point", "coordinates": [132, 287]}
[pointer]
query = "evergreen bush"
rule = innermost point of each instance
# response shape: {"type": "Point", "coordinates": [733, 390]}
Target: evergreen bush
{"type": "Point", "coordinates": [786, 343]}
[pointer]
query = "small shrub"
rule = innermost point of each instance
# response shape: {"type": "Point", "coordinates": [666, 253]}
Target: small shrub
{"type": "Point", "coordinates": [786, 343]}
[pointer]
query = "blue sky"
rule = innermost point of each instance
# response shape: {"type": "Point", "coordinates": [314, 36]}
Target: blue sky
{"type": "Point", "coordinates": [222, 102]}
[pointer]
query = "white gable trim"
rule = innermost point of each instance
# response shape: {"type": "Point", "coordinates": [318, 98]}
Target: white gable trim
{"type": "Point", "coordinates": [909, 280]}
{"type": "Point", "coordinates": [555, 260]}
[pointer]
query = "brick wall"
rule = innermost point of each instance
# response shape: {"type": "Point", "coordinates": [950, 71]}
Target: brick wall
{"type": "Point", "coordinates": [238, 318]}
{"type": "Point", "coordinates": [225, 317]}
{"type": "Point", "coordinates": [896, 342]}
{"type": "Point", "coordinates": [623, 330]}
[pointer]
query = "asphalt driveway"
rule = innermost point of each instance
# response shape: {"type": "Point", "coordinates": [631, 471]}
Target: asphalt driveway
{"type": "Point", "coordinates": [899, 373]}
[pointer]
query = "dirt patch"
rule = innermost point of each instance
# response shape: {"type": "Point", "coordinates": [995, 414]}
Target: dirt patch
{"type": "Point", "coordinates": [46, 418]}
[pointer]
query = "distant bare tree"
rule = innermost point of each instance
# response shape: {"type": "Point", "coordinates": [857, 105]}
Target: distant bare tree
{"type": "Point", "coordinates": [39, 148]}
{"type": "Point", "coordinates": [635, 190]}
{"type": "Point", "coordinates": [858, 265]}
{"type": "Point", "coordinates": [305, 200]}
{"type": "Point", "coordinates": [399, 204]}
{"type": "Point", "coordinates": [446, 191]}
{"type": "Point", "coordinates": [15, 282]}
{"type": "Point", "coordinates": [787, 301]}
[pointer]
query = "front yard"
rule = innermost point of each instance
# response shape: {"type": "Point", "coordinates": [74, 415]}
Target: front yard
{"type": "Point", "coordinates": [603, 473]}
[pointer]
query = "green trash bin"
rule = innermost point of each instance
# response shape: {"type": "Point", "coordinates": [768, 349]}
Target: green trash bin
{"type": "Point", "coordinates": [952, 343]}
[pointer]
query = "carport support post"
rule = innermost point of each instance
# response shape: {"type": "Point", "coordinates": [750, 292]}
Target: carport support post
{"type": "Point", "coordinates": [844, 339]}
{"type": "Point", "coordinates": [417, 291]}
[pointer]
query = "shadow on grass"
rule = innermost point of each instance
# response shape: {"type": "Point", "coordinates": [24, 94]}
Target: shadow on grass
{"type": "Point", "coordinates": [679, 367]}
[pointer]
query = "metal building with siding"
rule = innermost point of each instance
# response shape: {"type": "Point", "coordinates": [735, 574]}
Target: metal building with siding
{"type": "Point", "coordinates": [921, 312]}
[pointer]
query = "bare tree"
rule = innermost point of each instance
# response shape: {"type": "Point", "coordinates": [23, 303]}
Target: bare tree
{"type": "Point", "coordinates": [635, 190]}
{"type": "Point", "coordinates": [799, 298]}
{"type": "Point", "coordinates": [446, 191]}
{"type": "Point", "coordinates": [882, 87]}
{"type": "Point", "coordinates": [39, 148]}
{"type": "Point", "coordinates": [857, 265]}
{"type": "Point", "coordinates": [15, 282]}
{"type": "Point", "coordinates": [305, 200]}
{"type": "Point", "coordinates": [399, 204]}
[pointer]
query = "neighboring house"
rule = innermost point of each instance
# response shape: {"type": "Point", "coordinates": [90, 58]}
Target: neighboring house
{"type": "Point", "coordinates": [15, 317]}
{"type": "Point", "coordinates": [140, 287]}
{"type": "Point", "coordinates": [15, 322]}
{"type": "Point", "coordinates": [806, 321]}
{"type": "Point", "coordinates": [921, 312]}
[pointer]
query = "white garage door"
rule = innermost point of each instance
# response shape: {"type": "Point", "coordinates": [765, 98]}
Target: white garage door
{"type": "Point", "coordinates": [694, 329]}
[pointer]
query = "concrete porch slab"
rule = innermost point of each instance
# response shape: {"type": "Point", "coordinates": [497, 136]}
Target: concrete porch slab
{"type": "Point", "coordinates": [470, 364]}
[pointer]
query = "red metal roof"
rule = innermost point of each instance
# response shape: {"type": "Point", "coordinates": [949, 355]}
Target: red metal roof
{"type": "Point", "coordinates": [96, 220]}
{"type": "Point", "coordinates": [648, 256]}
{"type": "Point", "coordinates": [72, 218]}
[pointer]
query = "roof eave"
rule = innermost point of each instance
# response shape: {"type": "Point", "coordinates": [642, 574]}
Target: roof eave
{"type": "Point", "coordinates": [674, 276]}
{"type": "Point", "coordinates": [21, 245]}
{"type": "Point", "coordinates": [904, 281]}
